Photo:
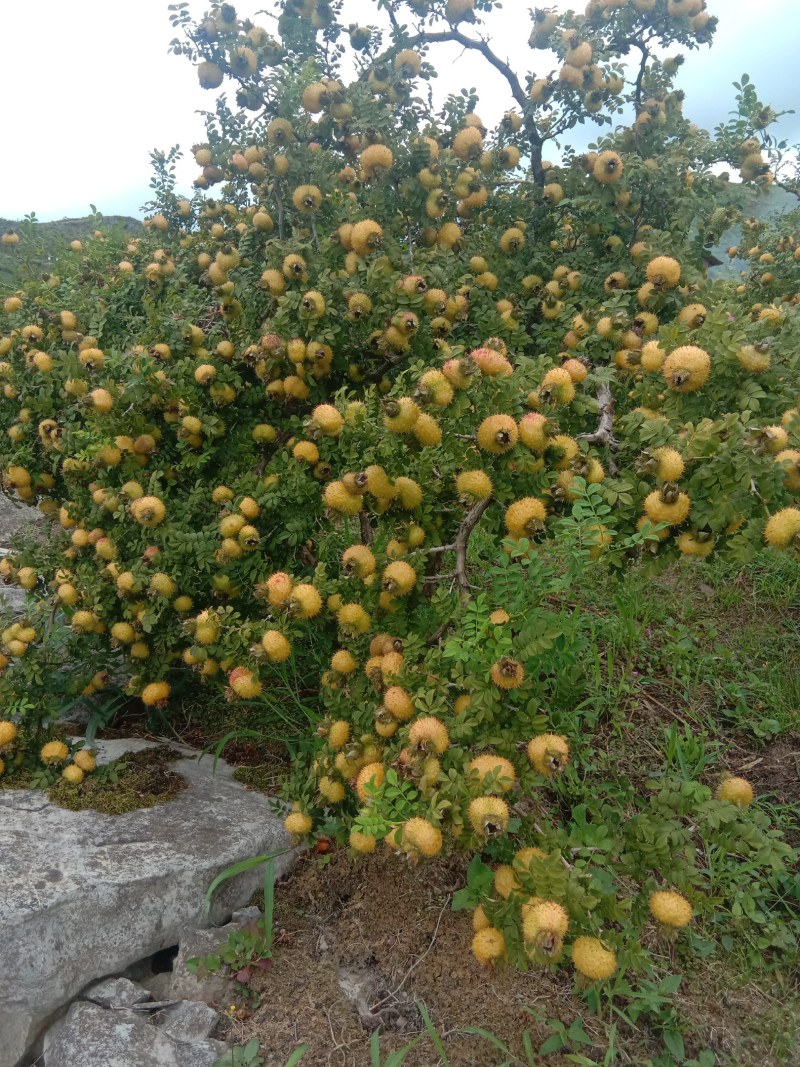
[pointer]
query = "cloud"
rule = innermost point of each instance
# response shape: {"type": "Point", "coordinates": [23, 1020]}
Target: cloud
{"type": "Point", "coordinates": [99, 90]}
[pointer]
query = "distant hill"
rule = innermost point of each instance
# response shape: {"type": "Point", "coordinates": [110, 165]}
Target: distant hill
{"type": "Point", "coordinates": [51, 238]}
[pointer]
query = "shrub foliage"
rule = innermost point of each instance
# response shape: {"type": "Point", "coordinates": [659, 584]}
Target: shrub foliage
{"type": "Point", "coordinates": [382, 391]}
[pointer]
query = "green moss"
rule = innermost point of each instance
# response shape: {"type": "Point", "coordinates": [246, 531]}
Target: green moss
{"type": "Point", "coordinates": [136, 780]}
{"type": "Point", "coordinates": [264, 779]}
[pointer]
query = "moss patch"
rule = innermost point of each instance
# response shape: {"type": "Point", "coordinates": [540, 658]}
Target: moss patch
{"type": "Point", "coordinates": [136, 780]}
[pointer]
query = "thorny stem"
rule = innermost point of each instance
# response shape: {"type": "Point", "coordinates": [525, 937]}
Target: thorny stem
{"type": "Point", "coordinates": [314, 233]}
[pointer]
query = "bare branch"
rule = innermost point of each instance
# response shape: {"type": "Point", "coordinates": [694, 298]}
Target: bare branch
{"type": "Point", "coordinates": [471, 520]}
{"type": "Point", "coordinates": [366, 528]}
{"type": "Point", "coordinates": [604, 434]}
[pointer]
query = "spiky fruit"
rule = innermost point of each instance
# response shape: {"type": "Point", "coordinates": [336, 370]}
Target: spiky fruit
{"type": "Point", "coordinates": [148, 510]}
{"type": "Point", "coordinates": [592, 959]}
{"type": "Point", "coordinates": [423, 837]}
{"type": "Point", "coordinates": [53, 752]}
{"type": "Point", "coordinates": [496, 769]}
{"type": "Point", "coordinates": [473, 486]}
{"type": "Point", "coordinates": [526, 517]}
{"type": "Point", "coordinates": [305, 602]}
{"type": "Point", "coordinates": [497, 434]}
{"type": "Point", "coordinates": [338, 734]}
{"type": "Point", "coordinates": [670, 908]}
{"type": "Point", "coordinates": [276, 646]}
{"type": "Point", "coordinates": [430, 735]}
{"type": "Point", "coordinates": [783, 528]}
{"type": "Point", "coordinates": [549, 754]}
{"type": "Point", "coordinates": [244, 683]}
{"type": "Point", "coordinates": [85, 760]}
{"type": "Point", "coordinates": [155, 693]}
{"type": "Point", "coordinates": [298, 824]}
{"type": "Point", "coordinates": [736, 791]}
{"type": "Point", "coordinates": [362, 843]}
{"type": "Point", "coordinates": [8, 732]}
{"type": "Point", "coordinates": [664, 272]}
{"type": "Point", "coordinates": [544, 925]}
{"type": "Point", "coordinates": [505, 881]}
{"type": "Point", "coordinates": [508, 673]}
{"type": "Point", "coordinates": [480, 920]}
{"type": "Point", "coordinates": [371, 776]}
{"type": "Point", "coordinates": [488, 945]}
{"type": "Point", "coordinates": [686, 369]}
{"type": "Point", "coordinates": [359, 561]}
{"type": "Point", "coordinates": [399, 578]}
{"type": "Point", "coordinates": [488, 816]}
{"type": "Point", "coordinates": [73, 774]}
{"type": "Point", "coordinates": [669, 464]}
{"type": "Point", "coordinates": [398, 703]}
{"type": "Point", "coordinates": [672, 511]}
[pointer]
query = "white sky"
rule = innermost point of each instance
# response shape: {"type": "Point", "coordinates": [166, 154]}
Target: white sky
{"type": "Point", "coordinates": [89, 89]}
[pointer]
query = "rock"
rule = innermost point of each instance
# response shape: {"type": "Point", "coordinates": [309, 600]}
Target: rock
{"type": "Point", "coordinates": [209, 987]}
{"type": "Point", "coordinates": [116, 993]}
{"type": "Point", "coordinates": [91, 1036]}
{"type": "Point", "coordinates": [188, 1020]}
{"type": "Point", "coordinates": [159, 986]}
{"type": "Point", "coordinates": [86, 895]}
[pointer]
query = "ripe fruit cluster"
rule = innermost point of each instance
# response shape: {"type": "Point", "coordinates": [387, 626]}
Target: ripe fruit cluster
{"type": "Point", "coordinates": [266, 429]}
{"type": "Point", "coordinates": [55, 755]}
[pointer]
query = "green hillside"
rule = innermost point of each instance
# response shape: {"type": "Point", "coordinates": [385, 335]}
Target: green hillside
{"type": "Point", "coordinates": [42, 242]}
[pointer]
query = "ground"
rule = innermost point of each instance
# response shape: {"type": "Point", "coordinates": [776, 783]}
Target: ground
{"type": "Point", "coordinates": [337, 917]}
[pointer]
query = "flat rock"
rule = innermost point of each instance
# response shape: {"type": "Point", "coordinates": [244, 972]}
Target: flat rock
{"type": "Point", "coordinates": [85, 895]}
{"type": "Point", "coordinates": [188, 1020]}
{"type": "Point", "coordinates": [91, 1036]}
{"type": "Point", "coordinates": [116, 993]}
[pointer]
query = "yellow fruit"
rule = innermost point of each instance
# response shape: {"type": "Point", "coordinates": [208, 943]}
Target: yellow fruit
{"type": "Point", "coordinates": [592, 959]}
{"type": "Point", "coordinates": [480, 920]}
{"type": "Point", "coordinates": [155, 693]}
{"type": "Point", "coordinates": [525, 518]}
{"type": "Point", "coordinates": [608, 168]}
{"type": "Point", "coordinates": [72, 774]}
{"type": "Point", "coordinates": [85, 760]}
{"type": "Point", "coordinates": [783, 528]}
{"type": "Point", "coordinates": [148, 510]}
{"type": "Point", "coordinates": [488, 816]}
{"type": "Point", "coordinates": [505, 881]}
{"type": "Point", "coordinates": [53, 752]}
{"type": "Point", "coordinates": [276, 646]}
{"type": "Point", "coordinates": [399, 578]}
{"type": "Point", "coordinates": [361, 842]}
{"type": "Point", "coordinates": [488, 945]}
{"type": "Point", "coordinates": [424, 838]}
{"type": "Point", "coordinates": [548, 754]}
{"type": "Point", "coordinates": [508, 673]}
{"type": "Point", "coordinates": [298, 824]}
{"type": "Point", "coordinates": [497, 434]}
{"type": "Point", "coordinates": [674, 512]}
{"type": "Point", "coordinates": [8, 732]}
{"type": "Point", "coordinates": [429, 734]}
{"type": "Point", "coordinates": [371, 776]}
{"type": "Point", "coordinates": [338, 734]}
{"type": "Point", "coordinates": [547, 917]}
{"type": "Point", "coordinates": [736, 791]}
{"type": "Point", "coordinates": [670, 908]}
{"type": "Point", "coordinates": [664, 272]}
{"type": "Point", "coordinates": [686, 369]}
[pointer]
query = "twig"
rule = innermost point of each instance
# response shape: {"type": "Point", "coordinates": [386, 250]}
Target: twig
{"type": "Point", "coordinates": [604, 434]}
{"type": "Point", "coordinates": [471, 520]}
{"type": "Point", "coordinates": [366, 528]}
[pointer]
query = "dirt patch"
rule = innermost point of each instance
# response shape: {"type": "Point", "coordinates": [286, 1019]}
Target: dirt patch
{"type": "Point", "coordinates": [359, 942]}
{"type": "Point", "coordinates": [773, 769]}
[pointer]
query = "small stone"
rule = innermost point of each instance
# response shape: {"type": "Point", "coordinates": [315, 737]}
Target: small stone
{"type": "Point", "coordinates": [188, 1020]}
{"type": "Point", "coordinates": [116, 993]}
{"type": "Point", "coordinates": [207, 986]}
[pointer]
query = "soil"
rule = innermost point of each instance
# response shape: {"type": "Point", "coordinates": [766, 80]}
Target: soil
{"type": "Point", "coordinates": [360, 941]}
